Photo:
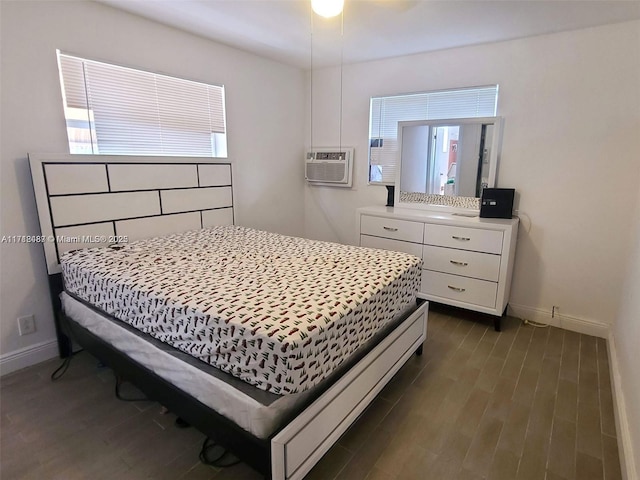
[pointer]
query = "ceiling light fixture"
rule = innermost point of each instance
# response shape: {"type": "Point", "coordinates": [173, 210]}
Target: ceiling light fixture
{"type": "Point", "coordinates": [327, 8]}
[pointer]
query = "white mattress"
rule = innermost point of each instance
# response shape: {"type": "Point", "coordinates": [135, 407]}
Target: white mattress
{"type": "Point", "coordinates": [247, 412]}
{"type": "Point", "coordinates": [278, 312]}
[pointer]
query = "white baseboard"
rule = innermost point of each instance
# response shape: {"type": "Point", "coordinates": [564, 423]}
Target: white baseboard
{"type": "Point", "coordinates": [627, 459]}
{"type": "Point", "coordinates": [25, 357]}
{"type": "Point", "coordinates": [575, 324]}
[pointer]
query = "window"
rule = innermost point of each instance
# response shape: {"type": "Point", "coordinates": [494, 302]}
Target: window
{"type": "Point", "coordinates": [114, 110]}
{"type": "Point", "coordinates": [386, 112]}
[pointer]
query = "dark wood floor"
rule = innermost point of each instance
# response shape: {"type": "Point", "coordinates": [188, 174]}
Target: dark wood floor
{"type": "Point", "coordinates": [526, 403]}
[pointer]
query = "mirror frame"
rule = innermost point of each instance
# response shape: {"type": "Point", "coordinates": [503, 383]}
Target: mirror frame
{"type": "Point", "coordinates": [449, 203]}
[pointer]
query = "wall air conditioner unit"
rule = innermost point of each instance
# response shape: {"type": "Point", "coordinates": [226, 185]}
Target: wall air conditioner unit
{"type": "Point", "coordinates": [331, 167]}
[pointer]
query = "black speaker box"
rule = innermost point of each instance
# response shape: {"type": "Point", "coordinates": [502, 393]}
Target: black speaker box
{"type": "Point", "coordinates": [497, 202]}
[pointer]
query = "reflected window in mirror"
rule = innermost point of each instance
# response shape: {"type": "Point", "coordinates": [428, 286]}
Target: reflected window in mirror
{"type": "Point", "coordinates": [387, 111]}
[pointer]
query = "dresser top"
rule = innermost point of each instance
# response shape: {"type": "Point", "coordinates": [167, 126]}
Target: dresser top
{"type": "Point", "coordinates": [471, 219]}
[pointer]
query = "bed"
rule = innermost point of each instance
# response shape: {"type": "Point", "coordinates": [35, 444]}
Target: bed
{"type": "Point", "coordinates": [273, 356]}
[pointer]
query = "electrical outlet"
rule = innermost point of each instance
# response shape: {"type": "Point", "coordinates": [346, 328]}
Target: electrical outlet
{"type": "Point", "coordinates": [26, 324]}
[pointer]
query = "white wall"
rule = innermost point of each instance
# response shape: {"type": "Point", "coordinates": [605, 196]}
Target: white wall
{"type": "Point", "coordinates": [626, 338]}
{"type": "Point", "coordinates": [571, 105]}
{"type": "Point", "coordinates": [264, 118]}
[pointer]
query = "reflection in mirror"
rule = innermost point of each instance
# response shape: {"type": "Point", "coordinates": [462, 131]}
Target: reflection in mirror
{"type": "Point", "coordinates": [450, 158]}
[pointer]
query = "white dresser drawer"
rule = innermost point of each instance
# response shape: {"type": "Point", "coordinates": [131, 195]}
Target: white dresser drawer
{"type": "Point", "coordinates": [387, 244]}
{"type": "Point", "coordinates": [485, 266]}
{"type": "Point", "coordinates": [392, 228]}
{"type": "Point", "coordinates": [460, 289]}
{"type": "Point", "coordinates": [475, 239]}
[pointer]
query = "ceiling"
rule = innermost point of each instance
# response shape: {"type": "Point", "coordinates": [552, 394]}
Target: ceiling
{"type": "Point", "coordinates": [373, 29]}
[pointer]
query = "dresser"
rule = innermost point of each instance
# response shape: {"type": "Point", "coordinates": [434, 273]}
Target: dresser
{"type": "Point", "coordinates": [467, 260]}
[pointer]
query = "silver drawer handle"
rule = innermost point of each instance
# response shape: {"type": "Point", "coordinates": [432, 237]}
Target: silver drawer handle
{"type": "Point", "coordinates": [460, 264]}
{"type": "Point", "coordinates": [464, 239]}
{"type": "Point", "coordinates": [391, 229]}
{"type": "Point", "coordinates": [457, 289]}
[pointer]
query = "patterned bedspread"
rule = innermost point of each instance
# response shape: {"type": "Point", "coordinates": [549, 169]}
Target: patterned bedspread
{"type": "Point", "coordinates": [278, 312]}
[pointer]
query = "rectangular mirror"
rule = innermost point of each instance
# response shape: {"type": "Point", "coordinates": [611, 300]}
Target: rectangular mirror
{"type": "Point", "coordinates": [446, 163]}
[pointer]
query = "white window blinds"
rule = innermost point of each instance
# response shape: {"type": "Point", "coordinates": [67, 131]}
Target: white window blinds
{"type": "Point", "coordinates": [386, 112]}
{"type": "Point", "coordinates": [115, 110]}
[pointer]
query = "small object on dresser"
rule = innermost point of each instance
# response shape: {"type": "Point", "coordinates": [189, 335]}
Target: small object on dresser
{"type": "Point", "coordinates": [391, 192]}
{"type": "Point", "coordinates": [497, 203]}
